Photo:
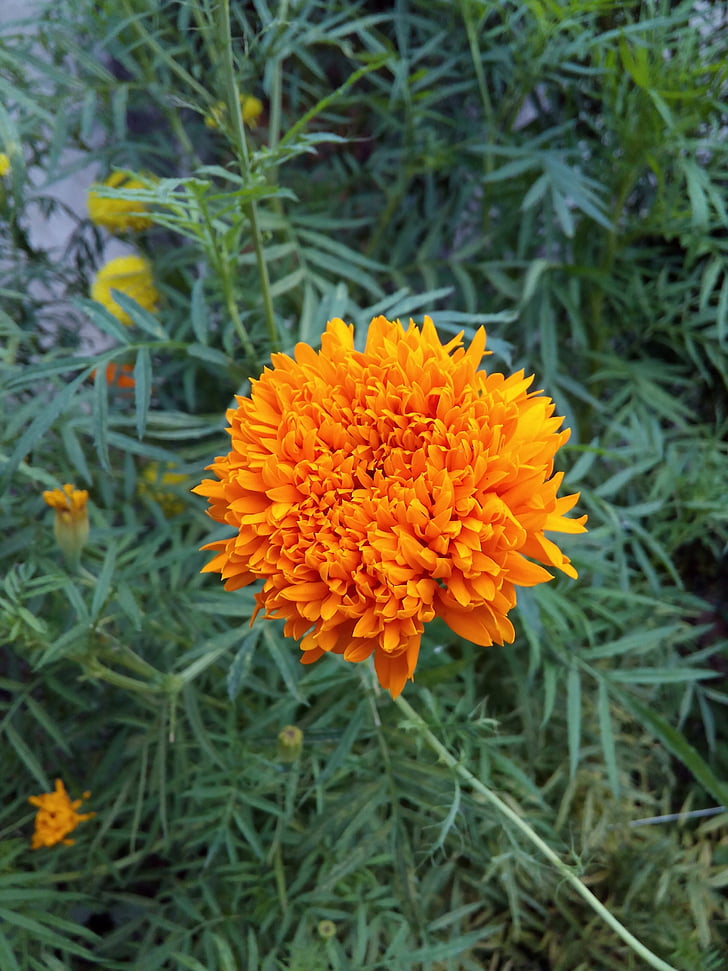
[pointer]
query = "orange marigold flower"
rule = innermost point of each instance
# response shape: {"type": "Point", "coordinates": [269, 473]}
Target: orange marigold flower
{"type": "Point", "coordinates": [119, 376]}
{"type": "Point", "coordinates": [372, 491]}
{"type": "Point", "coordinates": [56, 817]}
{"type": "Point", "coordinates": [70, 526]}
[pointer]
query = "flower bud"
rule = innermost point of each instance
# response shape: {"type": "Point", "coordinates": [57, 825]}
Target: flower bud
{"type": "Point", "coordinates": [71, 522]}
{"type": "Point", "coordinates": [326, 929]}
{"type": "Point", "coordinates": [290, 742]}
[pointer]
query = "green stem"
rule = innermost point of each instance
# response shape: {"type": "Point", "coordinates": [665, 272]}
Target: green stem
{"type": "Point", "coordinates": [124, 655]}
{"type": "Point", "coordinates": [223, 270]}
{"type": "Point", "coordinates": [505, 810]}
{"type": "Point", "coordinates": [607, 261]}
{"type": "Point", "coordinates": [233, 102]}
{"type": "Point", "coordinates": [95, 669]}
{"type": "Point", "coordinates": [163, 56]}
{"type": "Point", "coordinates": [274, 126]}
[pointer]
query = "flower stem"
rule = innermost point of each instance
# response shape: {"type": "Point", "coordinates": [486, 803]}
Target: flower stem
{"type": "Point", "coordinates": [275, 87]}
{"type": "Point", "coordinates": [533, 837]}
{"type": "Point", "coordinates": [233, 101]}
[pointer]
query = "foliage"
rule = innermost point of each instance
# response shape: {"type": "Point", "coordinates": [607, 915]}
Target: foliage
{"type": "Point", "coordinates": [554, 170]}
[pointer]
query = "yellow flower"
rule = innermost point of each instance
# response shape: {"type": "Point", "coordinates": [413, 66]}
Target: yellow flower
{"type": "Point", "coordinates": [373, 491]}
{"type": "Point", "coordinates": [117, 214]}
{"type": "Point", "coordinates": [56, 817]}
{"type": "Point", "coordinates": [131, 275]}
{"type": "Point", "coordinates": [71, 523]}
{"type": "Point", "coordinates": [4, 164]}
{"type": "Point", "coordinates": [250, 107]}
{"type": "Point", "coordinates": [152, 481]}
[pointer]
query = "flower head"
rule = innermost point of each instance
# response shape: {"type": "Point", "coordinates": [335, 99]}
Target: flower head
{"type": "Point", "coordinates": [251, 109]}
{"type": "Point", "coordinates": [131, 275]}
{"type": "Point", "coordinates": [56, 817]}
{"type": "Point", "coordinates": [373, 491]}
{"type": "Point", "coordinates": [4, 164]}
{"type": "Point", "coordinates": [117, 215]}
{"type": "Point", "coordinates": [71, 523]}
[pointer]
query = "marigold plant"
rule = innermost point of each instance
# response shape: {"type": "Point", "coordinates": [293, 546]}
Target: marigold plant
{"type": "Point", "coordinates": [57, 816]}
{"type": "Point", "coordinates": [371, 492]}
{"type": "Point", "coordinates": [117, 215]}
{"type": "Point", "coordinates": [131, 275]}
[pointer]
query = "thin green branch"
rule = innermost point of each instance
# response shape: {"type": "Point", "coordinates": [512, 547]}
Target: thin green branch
{"type": "Point", "coordinates": [232, 92]}
{"type": "Point", "coordinates": [505, 810]}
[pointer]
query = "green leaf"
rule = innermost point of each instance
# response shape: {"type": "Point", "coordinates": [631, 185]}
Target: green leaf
{"type": "Point", "coordinates": [101, 419]}
{"type": "Point", "coordinates": [573, 718]}
{"type": "Point", "coordinates": [141, 317]}
{"type": "Point", "coordinates": [639, 642]}
{"type": "Point", "coordinates": [283, 658]}
{"type": "Point", "coordinates": [209, 354]}
{"type": "Point", "coordinates": [27, 757]}
{"type": "Point", "coordinates": [241, 663]}
{"type": "Point", "coordinates": [40, 426]}
{"type": "Point", "coordinates": [103, 582]}
{"type": "Point", "coordinates": [142, 389]}
{"type": "Point", "coordinates": [104, 320]}
{"type": "Point", "coordinates": [198, 311]}
{"type": "Point", "coordinates": [676, 743]}
{"type": "Point", "coordinates": [660, 675]}
{"type": "Point", "coordinates": [606, 733]}
{"type": "Point", "coordinates": [7, 958]}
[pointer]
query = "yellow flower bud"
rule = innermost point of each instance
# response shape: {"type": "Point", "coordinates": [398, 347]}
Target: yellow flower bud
{"type": "Point", "coordinates": [71, 523]}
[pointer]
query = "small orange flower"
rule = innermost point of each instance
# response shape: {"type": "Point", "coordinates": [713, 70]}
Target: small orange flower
{"type": "Point", "coordinates": [119, 376]}
{"type": "Point", "coordinates": [70, 526]}
{"type": "Point", "coordinates": [56, 817]}
{"type": "Point", "coordinates": [373, 491]}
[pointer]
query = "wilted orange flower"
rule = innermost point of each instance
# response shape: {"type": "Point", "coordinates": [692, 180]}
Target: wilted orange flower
{"type": "Point", "coordinates": [374, 491]}
{"type": "Point", "coordinates": [56, 817]}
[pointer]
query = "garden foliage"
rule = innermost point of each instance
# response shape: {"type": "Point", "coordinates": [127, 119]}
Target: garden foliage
{"type": "Point", "coordinates": [552, 169]}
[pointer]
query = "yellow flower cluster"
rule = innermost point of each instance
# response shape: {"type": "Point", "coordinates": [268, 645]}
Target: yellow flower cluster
{"type": "Point", "coordinates": [250, 107]}
{"type": "Point", "coordinates": [57, 816]}
{"type": "Point", "coordinates": [152, 482]}
{"type": "Point", "coordinates": [4, 164]}
{"type": "Point", "coordinates": [131, 275]}
{"type": "Point", "coordinates": [117, 215]}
